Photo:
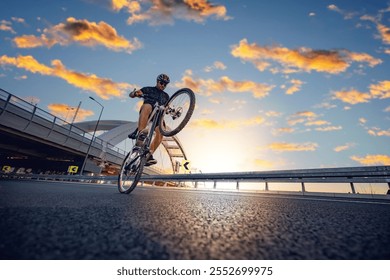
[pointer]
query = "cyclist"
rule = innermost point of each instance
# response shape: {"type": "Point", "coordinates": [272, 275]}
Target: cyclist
{"type": "Point", "coordinates": [151, 95]}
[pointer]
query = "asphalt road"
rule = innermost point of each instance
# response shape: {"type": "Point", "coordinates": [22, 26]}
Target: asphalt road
{"type": "Point", "coordinates": [54, 220]}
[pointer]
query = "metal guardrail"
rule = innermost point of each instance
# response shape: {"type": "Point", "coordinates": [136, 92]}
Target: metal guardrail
{"type": "Point", "coordinates": [351, 175]}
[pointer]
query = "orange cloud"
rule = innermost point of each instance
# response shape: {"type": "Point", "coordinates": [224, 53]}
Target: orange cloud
{"type": "Point", "coordinates": [329, 128]}
{"type": "Point", "coordinates": [223, 124]}
{"type": "Point", "coordinates": [378, 132]}
{"type": "Point", "coordinates": [28, 63]}
{"type": "Point", "coordinates": [301, 117]}
{"type": "Point", "coordinates": [103, 87]}
{"type": "Point", "coordinates": [130, 6]}
{"type": "Point", "coordinates": [283, 130]}
{"type": "Point", "coordinates": [67, 112]}
{"type": "Point", "coordinates": [210, 86]}
{"type": "Point", "coordinates": [343, 147]}
{"type": "Point", "coordinates": [316, 123]}
{"type": "Point", "coordinates": [216, 65]}
{"type": "Point", "coordinates": [309, 118]}
{"type": "Point", "coordinates": [82, 32]}
{"type": "Point", "coordinates": [6, 26]}
{"type": "Point", "coordinates": [296, 86]}
{"type": "Point", "coordinates": [384, 32]}
{"type": "Point", "coordinates": [306, 114]}
{"type": "Point", "coordinates": [158, 12]}
{"type": "Point", "coordinates": [380, 90]}
{"type": "Point", "coordinates": [372, 159]}
{"type": "Point", "coordinates": [292, 147]}
{"type": "Point", "coordinates": [302, 59]}
{"type": "Point", "coordinates": [352, 96]}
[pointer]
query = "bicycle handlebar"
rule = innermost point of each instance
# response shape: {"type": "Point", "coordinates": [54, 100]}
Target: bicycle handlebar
{"type": "Point", "coordinates": [143, 95]}
{"type": "Point", "coordinates": [133, 92]}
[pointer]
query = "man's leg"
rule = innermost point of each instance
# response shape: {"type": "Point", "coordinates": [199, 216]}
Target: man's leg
{"type": "Point", "coordinates": [153, 147]}
{"type": "Point", "coordinates": [156, 140]}
{"type": "Point", "coordinates": [146, 110]}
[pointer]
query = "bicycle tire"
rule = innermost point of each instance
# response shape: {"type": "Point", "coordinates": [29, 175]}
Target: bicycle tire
{"type": "Point", "coordinates": [128, 180]}
{"type": "Point", "coordinates": [165, 129]}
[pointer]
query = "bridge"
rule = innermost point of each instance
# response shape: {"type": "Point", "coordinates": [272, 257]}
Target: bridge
{"type": "Point", "coordinates": [72, 216]}
{"type": "Point", "coordinates": [34, 139]}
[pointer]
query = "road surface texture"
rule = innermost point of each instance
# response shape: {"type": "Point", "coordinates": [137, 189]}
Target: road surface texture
{"type": "Point", "coordinates": [56, 220]}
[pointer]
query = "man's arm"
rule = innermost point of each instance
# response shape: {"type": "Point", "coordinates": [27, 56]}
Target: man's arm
{"type": "Point", "coordinates": [135, 93]}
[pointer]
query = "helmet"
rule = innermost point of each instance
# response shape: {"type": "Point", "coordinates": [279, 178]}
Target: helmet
{"type": "Point", "coordinates": [163, 78]}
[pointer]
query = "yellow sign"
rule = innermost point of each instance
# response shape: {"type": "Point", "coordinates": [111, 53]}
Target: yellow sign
{"type": "Point", "coordinates": [73, 169]}
{"type": "Point", "coordinates": [186, 166]}
{"type": "Point", "coordinates": [7, 169]}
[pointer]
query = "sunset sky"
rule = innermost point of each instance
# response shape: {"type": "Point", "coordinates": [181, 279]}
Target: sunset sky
{"type": "Point", "coordinates": [279, 84]}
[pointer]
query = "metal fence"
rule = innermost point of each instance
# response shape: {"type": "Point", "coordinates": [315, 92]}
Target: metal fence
{"type": "Point", "coordinates": [349, 175]}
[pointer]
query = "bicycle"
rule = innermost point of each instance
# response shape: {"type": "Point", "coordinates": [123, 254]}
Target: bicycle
{"type": "Point", "coordinates": [171, 118]}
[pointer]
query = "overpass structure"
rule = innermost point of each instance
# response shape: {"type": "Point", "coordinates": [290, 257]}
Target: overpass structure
{"type": "Point", "coordinates": [30, 136]}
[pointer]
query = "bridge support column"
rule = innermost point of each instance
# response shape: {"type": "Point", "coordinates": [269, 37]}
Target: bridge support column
{"type": "Point", "coordinates": [266, 186]}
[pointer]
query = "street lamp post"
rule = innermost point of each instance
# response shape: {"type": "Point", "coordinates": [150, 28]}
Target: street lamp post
{"type": "Point", "coordinates": [75, 114]}
{"type": "Point", "coordinates": [93, 136]}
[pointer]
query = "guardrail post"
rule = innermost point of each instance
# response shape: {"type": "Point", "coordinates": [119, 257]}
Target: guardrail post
{"type": "Point", "coordinates": [31, 118]}
{"type": "Point", "coordinates": [388, 191]}
{"type": "Point", "coordinates": [303, 187]}
{"type": "Point", "coordinates": [196, 184]}
{"type": "Point", "coordinates": [266, 186]}
{"type": "Point", "coordinates": [237, 185]}
{"type": "Point", "coordinates": [352, 187]}
{"type": "Point", "coordinates": [215, 184]}
{"type": "Point", "coordinates": [6, 102]}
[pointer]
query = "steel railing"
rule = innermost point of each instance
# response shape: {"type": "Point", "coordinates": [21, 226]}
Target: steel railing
{"type": "Point", "coordinates": [351, 175]}
{"type": "Point", "coordinates": [30, 112]}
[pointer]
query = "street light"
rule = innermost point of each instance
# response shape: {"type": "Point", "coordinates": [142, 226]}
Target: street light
{"type": "Point", "coordinates": [75, 114]}
{"type": "Point", "coordinates": [93, 136]}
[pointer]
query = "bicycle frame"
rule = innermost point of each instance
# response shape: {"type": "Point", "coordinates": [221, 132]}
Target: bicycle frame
{"type": "Point", "coordinates": [157, 110]}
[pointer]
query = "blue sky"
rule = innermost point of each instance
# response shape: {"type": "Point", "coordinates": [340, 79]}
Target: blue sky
{"type": "Point", "coordinates": [279, 84]}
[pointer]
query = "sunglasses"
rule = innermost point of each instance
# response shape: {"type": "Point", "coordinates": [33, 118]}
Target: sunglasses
{"type": "Point", "coordinates": [162, 83]}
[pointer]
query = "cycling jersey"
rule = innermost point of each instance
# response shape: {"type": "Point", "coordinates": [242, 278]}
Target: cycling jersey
{"type": "Point", "coordinates": [153, 95]}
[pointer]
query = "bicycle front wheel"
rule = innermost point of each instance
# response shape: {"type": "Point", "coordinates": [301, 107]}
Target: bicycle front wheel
{"type": "Point", "coordinates": [178, 112]}
{"type": "Point", "coordinates": [131, 171]}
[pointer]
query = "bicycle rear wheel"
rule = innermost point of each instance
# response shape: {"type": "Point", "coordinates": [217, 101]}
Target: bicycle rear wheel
{"type": "Point", "coordinates": [178, 112]}
{"type": "Point", "coordinates": [131, 171]}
